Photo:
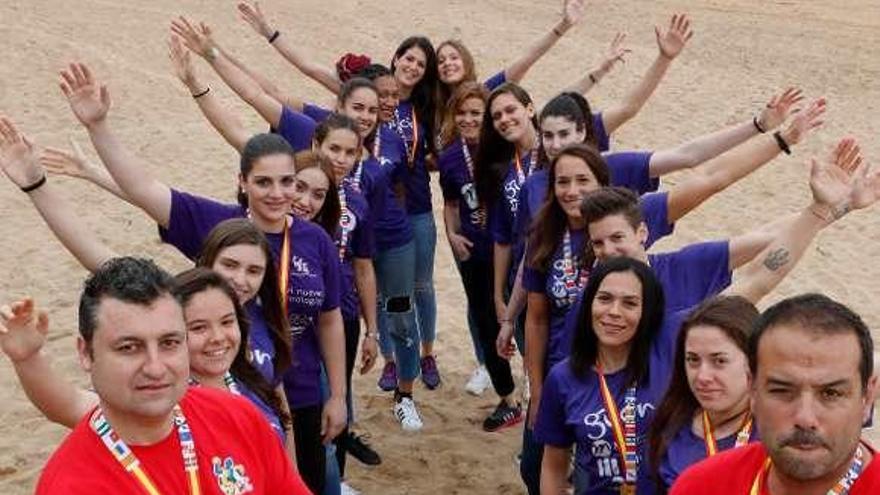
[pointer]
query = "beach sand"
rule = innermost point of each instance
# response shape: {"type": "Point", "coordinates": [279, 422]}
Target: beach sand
{"type": "Point", "coordinates": [743, 52]}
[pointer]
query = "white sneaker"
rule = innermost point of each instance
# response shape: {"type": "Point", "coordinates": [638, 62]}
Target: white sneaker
{"type": "Point", "coordinates": [406, 413]}
{"type": "Point", "coordinates": [345, 489]}
{"type": "Point", "coordinates": [478, 382]}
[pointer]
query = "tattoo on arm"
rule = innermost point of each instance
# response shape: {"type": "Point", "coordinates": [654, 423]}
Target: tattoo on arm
{"type": "Point", "coordinates": [776, 259]}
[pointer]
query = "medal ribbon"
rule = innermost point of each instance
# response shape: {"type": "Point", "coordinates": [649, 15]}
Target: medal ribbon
{"type": "Point", "coordinates": [410, 150]}
{"type": "Point", "coordinates": [377, 142]}
{"type": "Point", "coordinates": [523, 172]}
{"type": "Point", "coordinates": [123, 454]}
{"type": "Point", "coordinates": [623, 425]}
{"type": "Point", "coordinates": [841, 488]}
{"type": "Point", "coordinates": [575, 279]}
{"type": "Point", "coordinates": [284, 266]}
{"type": "Point", "coordinates": [469, 161]}
{"type": "Point", "coordinates": [344, 225]}
{"type": "Point", "coordinates": [742, 436]}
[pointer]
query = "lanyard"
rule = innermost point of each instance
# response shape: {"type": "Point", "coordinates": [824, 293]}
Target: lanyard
{"type": "Point", "coordinates": [742, 437]}
{"type": "Point", "coordinates": [478, 215]}
{"type": "Point", "coordinates": [623, 424]}
{"type": "Point", "coordinates": [345, 224]}
{"type": "Point", "coordinates": [575, 279]}
{"type": "Point", "coordinates": [284, 266]}
{"type": "Point", "coordinates": [355, 178]}
{"type": "Point", "coordinates": [841, 488]}
{"type": "Point", "coordinates": [123, 454]}
{"type": "Point", "coordinates": [523, 172]}
{"type": "Point", "coordinates": [377, 142]}
{"type": "Point", "coordinates": [410, 150]}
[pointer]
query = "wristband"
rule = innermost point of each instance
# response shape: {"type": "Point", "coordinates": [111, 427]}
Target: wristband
{"type": "Point", "coordinates": [781, 142]}
{"type": "Point", "coordinates": [758, 125]}
{"type": "Point", "coordinates": [274, 36]}
{"type": "Point", "coordinates": [36, 185]}
{"type": "Point", "coordinates": [593, 79]}
{"type": "Point", "coordinates": [203, 93]}
{"type": "Point", "coordinates": [557, 32]}
{"type": "Point", "coordinates": [369, 335]}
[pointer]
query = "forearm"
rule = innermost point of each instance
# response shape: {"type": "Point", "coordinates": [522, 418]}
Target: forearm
{"type": "Point", "coordinates": [554, 471]}
{"type": "Point", "coordinates": [60, 401]}
{"type": "Point", "coordinates": [697, 151]}
{"type": "Point", "coordinates": [589, 81]}
{"type": "Point", "coordinates": [69, 229]}
{"type": "Point", "coordinates": [451, 218]}
{"type": "Point", "coordinates": [221, 119]}
{"type": "Point", "coordinates": [518, 295]}
{"type": "Point", "coordinates": [289, 439]}
{"type": "Point", "coordinates": [365, 279]}
{"type": "Point", "coordinates": [519, 67]}
{"type": "Point", "coordinates": [331, 338]}
{"type": "Point", "coordinates": [536, 336]}
{"type": "Point", "coordinates": [635, 98]}
{"type": "Point", "coordinates": [246, 88]}
{"type": "Point", "coordinates": [325, 76]}
{"type": "Point", "coordinates": [266, 84]}
{"type": "Point", "coordinates": [501, 257]}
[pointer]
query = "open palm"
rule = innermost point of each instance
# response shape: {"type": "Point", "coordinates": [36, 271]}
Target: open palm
{"type": "Point", "coordinates": [832, 182]}
{"type": "Point", "coordinates": [89, 100]}
{"type": "Point", "coordinates": [23, 330]}
{"type": "Point", "coordinates": [17, 157]}
{"type": "Point", "coordinates": [672, 41]}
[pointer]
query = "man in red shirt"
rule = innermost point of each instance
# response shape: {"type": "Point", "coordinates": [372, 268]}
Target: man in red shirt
{"type": "Point", "coordinates": [812, 363]}
{"type": "Point", "coordinates": [150, 434]}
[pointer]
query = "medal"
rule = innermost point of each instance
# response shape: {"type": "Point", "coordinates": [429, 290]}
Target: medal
{"type": "Point", "coordinates": [479, 210]}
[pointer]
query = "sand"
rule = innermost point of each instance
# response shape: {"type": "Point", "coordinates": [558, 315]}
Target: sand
{"type": "Point", "coordinates": [743, 51]}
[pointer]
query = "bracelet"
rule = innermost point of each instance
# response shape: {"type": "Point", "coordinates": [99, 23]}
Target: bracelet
{"type": "Point", "coordinates": [781, 142]}
{"type": "Point", "coordinates": [203, 93]}
{"type": "Point", "coordinates": [758, 125]}
{"type": "Point", "coordinates": [274, 36]}
{"type": "Point", "coordinates": [36, 185]}
{"type": "Point", "coordinates": [557, 32]}
{"type": "Point", "coordinates": [593, 79]}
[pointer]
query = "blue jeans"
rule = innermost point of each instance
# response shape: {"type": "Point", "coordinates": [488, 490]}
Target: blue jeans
{"type": "Point", "coordinates": [395, 276]}
{"type": "Point", "coordinates": [472, 325]}
{"type": "Point", "coordinates": [425, 238]}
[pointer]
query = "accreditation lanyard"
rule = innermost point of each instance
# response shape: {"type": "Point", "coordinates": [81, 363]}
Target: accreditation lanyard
{"type": "Point", "coordinates": [228, 380]}
{"type": "Point", "coordinates": [377, 143]}
{"type": "Point", "coordinates": [523, 171]}
{"type": "Point", "coordinates": [623, 425]}
{"type": "Point", "coordinates": [575, 278]}
{"type": "Point", "coordinates": [355, 179]}
{"type": "Point", "coordinates": [123, 454]}
{"type": "Point", "coordinates": [284, 265]}
{"type": "Point", "coordinates": [742, 437]}
{"type": "Point", "coordinates": [410, 150]}
{"type": "Point", "coordinates": [841, 488]}
{"type": "Point", "coordinates": [469, 162]}
{"type": "Point", "coordinates": [345, 224]}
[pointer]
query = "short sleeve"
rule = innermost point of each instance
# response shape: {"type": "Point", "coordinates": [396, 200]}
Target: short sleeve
{"type": "Point", "coordinates": [297, 128]}
{"type": "Point", "coordinates": [331, 269]}
{"type": "Point", "coordinates": [501, 222]}
{"type": "Point", "coordinates": [603, 140]}
{"type": "Point", "coordinates": [363, 243]}
{"type": "Point", "coordinates": [551, 427]}
{"type": "Point", "coordinates": [495, 81]}
{"type": "Point", "coordinates": [631, 169]}
{"type": "Point", "coordinates": [446, 166]}
{"type": "Point", "coordinates": [533, 279]}
{"type": "Point", "coordinates": [316, 113]}
{"type": "Point", "coordinates": [191, 220]}
{"type": "Point", "coordinates": [655, 213]}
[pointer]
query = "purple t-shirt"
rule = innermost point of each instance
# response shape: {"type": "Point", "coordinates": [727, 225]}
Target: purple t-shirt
{"type": "Point", "coordinates": [572, 411]}
{"type": "Point", "coordinates": [316, 113]}
{"type": "Point", "coordinates": [391, 224]}
{"type": "Point", "coordinates": [687, 449]}
{"type": "Point", "coordinates": [552, 284]}
{"type": "Point", "coordinates": [495, 81]}
{"type": "Point", "coordinates": [418, 183]}
{"type": "Point", "coordinates": [314, 279]}
{"type": "Point", "coordinates": [457, 184]}
{"type": "Point", "coordinates": [297, 128]}
{"type": "Point", "coordinates": [268, 413]}
{"type": "Point", "coordinates": [261, 346]}
{"type": "Point", "coordinates": [631, 169]}
{"type": "Point", "coordinates": [359, 243]}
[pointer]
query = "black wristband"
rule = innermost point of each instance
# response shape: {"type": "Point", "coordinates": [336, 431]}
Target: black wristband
{"type": "Point", "coordinates": [781, 142]}
{"type": "Point", "coordinates": [758, 125]}
{"type": "Point", "coordinates": [593, 79]}
{"type": "Point", "coordinates": [36, 185]}
{"type": "Point", "coordinates": [274, 36]}
{"type": "Point", "coordinates": [203, 93]}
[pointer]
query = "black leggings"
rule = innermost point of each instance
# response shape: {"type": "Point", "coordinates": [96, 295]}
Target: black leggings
{"type": "Point", "coordinates": [311, 457]}
{"type": "Point", "coordinates": [352, 337]}
{"type": "Point", "coordinates": [476, 275]}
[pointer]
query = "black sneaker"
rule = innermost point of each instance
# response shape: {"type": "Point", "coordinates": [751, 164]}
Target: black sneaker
{"type": "Point", "coordinates": [504, 415]}
{"type": "Point", "coordinates": [358, 448]}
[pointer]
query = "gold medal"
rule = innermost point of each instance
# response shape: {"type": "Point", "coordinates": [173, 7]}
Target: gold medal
{"type": "Point", "coordinates": [627, 489]}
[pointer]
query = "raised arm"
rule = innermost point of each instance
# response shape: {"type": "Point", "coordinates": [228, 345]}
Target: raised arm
{"type": "Point", "coordinates": [720, 173]}
{"type": "Point", "coordinates": [199, 41]}
{"type": "Point", "coordinates": [221, 119]}
{"type": "Point", "coordinates": [325, 76]}
{"type": "Point", "coordinates": [19, 162]}
{"type": "Point", "coordinates": [839, 185]}
{"type": "Point", "coordinates": [702, 148]}
{"type": "Point", "coordinates": [670, 44]}
{"type": "Point", "coordinates": [23, 332]}
{"type": "Point", "coordinates": [286, 98]}
{"type": "Point", "coordinates": [572, 12]}
{"type": "Point", "coordinates": [616, 53]}
{"type": "Point", "coordinates": [90, 103]}
{"type": "Point", "coordinates": [76, 164]}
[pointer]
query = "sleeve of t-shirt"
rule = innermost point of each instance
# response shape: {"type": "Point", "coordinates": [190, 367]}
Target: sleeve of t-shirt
{"type": "Point", "coordinates": [495, 81]}
{"type": "Point", "coordinates": [655, 213]}
{"type": "Point", "coordinates": [704, 268]}
{"type": "Point", "coordinates": [551, 427]}
{"type": "Point", "coordinates": [631, 169]}
{"type": "Point", "coordinates": [603, 140]}
{"type": "Point", "coordinates": [191, 220]}
{"type": "Point", "coordinates": [363, 242]}
{"type": "Point", "coordinates": [523, 213]}
{"type": "Point", "coordinates": [297, 128]}
{"type": "Point", "coordinates": [533, 280]}
{"type": "Point", "coordinates": [502, 224]}
{"type": "Point", "coordinates": [316, 113]}
{"type": "Point", "coordinates": [330, 270]}
{"type": "Point", "coordinates": [446, 168]}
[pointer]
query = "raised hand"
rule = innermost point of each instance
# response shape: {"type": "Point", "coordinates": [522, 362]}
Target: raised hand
{"type": "Point", "coordinates": [572, 12]}
{"type": "Point", "coordinates": [23, 329]}
{"type": "Point", "coordinates": [180, 60]}
{"type": "Point", "coordinates": [616, 52]}
{"type": "Point", "coordinates": [832, 181]}
{"type": "Point", "coordinates": [17, 157]}
{"type": "Point", "coordinates": [197, 39]}
{"type": "Point", "coordinates": [60, 162]}
{"type": "Point", "coordinates": [866, 190]}
{"type": "Point", "coordinates": [804, 122]}
{"type": "Point", "coordinates": [253, 15]}
{"type": "Point", "coordinates": [672, 41]}
{"type": "Point", "coordinates": [89, 101]}
{"type": "Point", "coordinates": [779, 108]}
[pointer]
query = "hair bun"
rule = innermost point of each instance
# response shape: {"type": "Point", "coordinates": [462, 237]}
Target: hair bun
{"type": "Point", "coordinates": [350, 64]}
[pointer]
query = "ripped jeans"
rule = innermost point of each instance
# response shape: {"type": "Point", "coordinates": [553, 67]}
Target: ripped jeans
{"type": "Point", "coordinates": [395, 277]}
